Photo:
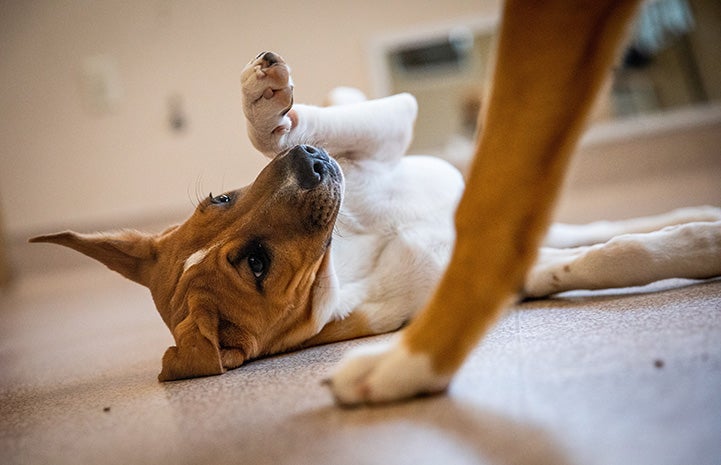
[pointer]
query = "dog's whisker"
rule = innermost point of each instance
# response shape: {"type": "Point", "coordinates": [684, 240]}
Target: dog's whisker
{"type": "Point", "coordinates": [339, 221]}
{"type": "Point", "coordinates": [193, 202]}
{"type": "Point", "coordinates": [199, 191]}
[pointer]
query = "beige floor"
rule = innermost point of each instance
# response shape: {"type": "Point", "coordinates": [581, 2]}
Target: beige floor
{"type": "Point", "coordinates": [630, 377]}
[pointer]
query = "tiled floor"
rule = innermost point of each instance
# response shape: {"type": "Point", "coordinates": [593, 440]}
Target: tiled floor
{"type": "Point", "coordinates": [631, 377]}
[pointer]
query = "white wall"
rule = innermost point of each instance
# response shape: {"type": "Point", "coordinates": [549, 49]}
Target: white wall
{"type": "Point", "coordinates": [61, 166]}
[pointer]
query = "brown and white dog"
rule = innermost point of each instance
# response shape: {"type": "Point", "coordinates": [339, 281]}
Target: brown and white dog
{"type": "Point", "coordinates": [321, 249]}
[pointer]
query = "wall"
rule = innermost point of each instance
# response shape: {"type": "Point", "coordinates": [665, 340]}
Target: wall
{"type": "Point", "coordinates": [63, 165]}
{"type": "Point", "coordinates": [645, 165]}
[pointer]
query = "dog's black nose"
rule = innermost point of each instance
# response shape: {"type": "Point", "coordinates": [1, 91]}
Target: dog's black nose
{"type": "Point", "coordinates": [310, 164]}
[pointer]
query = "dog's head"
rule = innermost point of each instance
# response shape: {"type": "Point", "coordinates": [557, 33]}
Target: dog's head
{"type": "Point", "coordinates": [245, 274]}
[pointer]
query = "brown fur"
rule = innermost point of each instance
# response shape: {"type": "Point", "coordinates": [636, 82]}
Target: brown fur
{"type": "Point", "coordinates": [219, 314]}
{"type": "Point", "coordinates": [353, 326]}
{"type": "Point", "coordinates": [552, 58]}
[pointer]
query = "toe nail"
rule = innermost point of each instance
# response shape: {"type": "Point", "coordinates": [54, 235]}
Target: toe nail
{"type": "Point", "coordinates": [271, 58]}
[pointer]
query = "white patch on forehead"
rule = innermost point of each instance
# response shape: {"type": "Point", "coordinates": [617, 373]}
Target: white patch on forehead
{"type": "Point", "coordinates": [196, 257]}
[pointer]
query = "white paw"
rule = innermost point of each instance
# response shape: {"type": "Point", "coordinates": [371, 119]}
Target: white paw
{"type": "Point", "coordinates": [384, 373]}
{"type": "Point", "coordinates": [267, 101]}
{"type": "Point", "coordinates": [265, 76]}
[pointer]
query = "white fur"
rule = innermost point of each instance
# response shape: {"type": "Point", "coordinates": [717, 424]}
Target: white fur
{"type": "Point", "coordinates": [195, 258]}
{"type": "Point", "coordinates": [394, 233]}
{"type": "Point", "coordinates": [326, 299]}
{"type": "Point", "coordinates": [573, 235]}
{"type": "Point", "coordinates": [383, 373]}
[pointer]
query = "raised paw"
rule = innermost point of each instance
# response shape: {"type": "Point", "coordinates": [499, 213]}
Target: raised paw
{"type": "Point", "coordinates": [267, 77]}
{"type": "Point", "coordinates": [267, 102]}
{"type": "Point", "coordinates": [384, 373]}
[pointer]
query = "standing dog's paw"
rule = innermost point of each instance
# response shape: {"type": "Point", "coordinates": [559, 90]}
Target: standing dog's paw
{"type": "Point", "coordinates": [267, 77]}
{"type": "Point", "coordinates": [384, 373]}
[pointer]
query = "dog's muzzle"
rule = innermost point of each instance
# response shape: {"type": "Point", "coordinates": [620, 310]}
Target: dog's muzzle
{"type": "Point", "coordinates": [312, 165]}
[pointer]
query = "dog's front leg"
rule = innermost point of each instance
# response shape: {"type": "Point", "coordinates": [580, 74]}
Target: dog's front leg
{"type": "Point", "coordinates": [380, 128]}
{"type": "Point", "coordinates": [544, 85]}
{"type": "Point", "coordinates": [374, 128]}
{"type": "Point", "coordinates": [267, 92]}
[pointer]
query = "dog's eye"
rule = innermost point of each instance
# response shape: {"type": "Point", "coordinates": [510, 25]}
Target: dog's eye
{"type": "Point", "coordinates": [255, 257]}
{"type": "Point", "coordinates": [257, 264]}
{"type": "Point", "coordinates": [219, 199]}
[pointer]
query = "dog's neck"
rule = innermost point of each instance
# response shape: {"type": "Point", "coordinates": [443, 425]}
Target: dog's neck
{"type": "Point", "coordinates": [327, 296]}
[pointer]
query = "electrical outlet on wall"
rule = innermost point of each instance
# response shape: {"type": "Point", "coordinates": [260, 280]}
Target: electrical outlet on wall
{"type": "Point", "coordinates": [101, 86]}
{"type": "Point", "coordinates": [177, 119]}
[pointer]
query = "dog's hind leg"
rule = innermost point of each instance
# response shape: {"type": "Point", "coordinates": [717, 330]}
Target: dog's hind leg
{"type": "Point", "coordinates": [691, 251]}
{"type": "Point", "coordinates": [544, 85]}
{"type": "Point", "coordinates": [562, 235]}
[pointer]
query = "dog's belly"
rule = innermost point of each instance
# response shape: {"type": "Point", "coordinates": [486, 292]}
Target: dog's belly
{"type": "Point", "coordinates": [394, 236]}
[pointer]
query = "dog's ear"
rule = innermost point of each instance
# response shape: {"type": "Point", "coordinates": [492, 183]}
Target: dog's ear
{"type": "Point", "coordinates": [130, 253]}
{"type": "Point", "coordinates": [196, 352]}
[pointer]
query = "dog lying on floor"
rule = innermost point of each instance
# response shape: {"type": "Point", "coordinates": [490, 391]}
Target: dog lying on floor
{"type": "Point", "coordinates": [320, 249]}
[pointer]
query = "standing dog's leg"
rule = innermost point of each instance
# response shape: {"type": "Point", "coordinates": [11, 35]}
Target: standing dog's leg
{"type": "Point", "coordinates": [552, 57]}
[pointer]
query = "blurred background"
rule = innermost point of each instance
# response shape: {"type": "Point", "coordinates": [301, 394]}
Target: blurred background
{"type": "Point", "coordinates": [122, 113]}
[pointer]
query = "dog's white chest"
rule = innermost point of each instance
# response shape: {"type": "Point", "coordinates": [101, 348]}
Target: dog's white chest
{"type": "Point", "coordinates": [394, 235]}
